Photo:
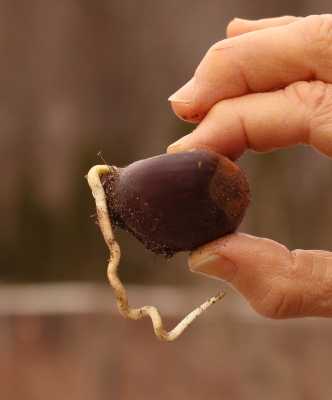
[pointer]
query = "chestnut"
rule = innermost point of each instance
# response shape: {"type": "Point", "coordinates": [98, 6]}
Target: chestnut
{"type": "Point", "coordinates": [179, 201]}
{"type": "Point", "coordinates": [173, 202]}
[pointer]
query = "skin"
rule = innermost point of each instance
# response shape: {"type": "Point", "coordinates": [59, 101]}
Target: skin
{"type": "Point", "coordinates": [267, 86]}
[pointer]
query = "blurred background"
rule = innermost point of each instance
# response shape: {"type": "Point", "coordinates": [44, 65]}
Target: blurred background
{"type": "Point", "coordinates": [81, 76]}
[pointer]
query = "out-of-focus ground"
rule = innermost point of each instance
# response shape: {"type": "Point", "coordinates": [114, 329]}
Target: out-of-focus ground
{"type": "Point", "coordinates": [85, 350]}
{"type": "Point", "coordinates": [79, 77]}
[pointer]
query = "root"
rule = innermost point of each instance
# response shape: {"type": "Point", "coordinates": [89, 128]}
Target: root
{"type": "Point", "coordinates": [120, 292]}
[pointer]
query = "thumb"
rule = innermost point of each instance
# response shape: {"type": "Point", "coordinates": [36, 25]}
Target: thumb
{"type": "Point", "coordinates": [276, 282]}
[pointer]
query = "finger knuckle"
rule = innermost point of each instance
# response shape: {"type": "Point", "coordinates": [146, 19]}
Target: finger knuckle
{"type": "Point", "coordinates": [298, 93]}
{"type": "Point", "coordinates": [320, 110]}
{"type": "Point", "coordinates": [323, 25]}
{"type": "Point", "coordinates": [314, 267]}
{"type": "Point", "coordinates": [314, 101]}
{"type": "Point", "coordinates": [276, 305]}
{"type": "Point", "coordinates": [304, 290]}
{"type": "Point", "coordinates": [320, 99]}
{"type": "Point", "coordinates": [281, 308]}
{"type": "Point", "coordinates": [317, 28]}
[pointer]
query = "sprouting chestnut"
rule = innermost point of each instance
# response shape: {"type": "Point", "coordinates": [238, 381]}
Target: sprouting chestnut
{"type": "Point", "coordinates": [179, 201]}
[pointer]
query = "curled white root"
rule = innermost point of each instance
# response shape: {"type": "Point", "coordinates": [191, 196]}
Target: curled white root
{"type": "Point", "coordinates": [120, 292]}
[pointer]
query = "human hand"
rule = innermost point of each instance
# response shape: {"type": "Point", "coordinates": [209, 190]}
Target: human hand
{"type": "Point", "coordinates": [264, 89]}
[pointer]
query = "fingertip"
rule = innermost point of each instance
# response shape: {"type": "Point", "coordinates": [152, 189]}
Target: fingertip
{"type": "Point", "coordinates": [183, 100]}
{"type": "Point", "coordinates": [237, 27]}
{"type": "Point", "coordinates": [204, 254]}
{"type": "Point", "coordinates": [215, 266]}
{"type": "Point", "coordinates": [247, 256]}
{"type": "Point", "coordinates": [240, 26]}
{"type": "Point", "coordinates": [179, 145]}
{"type": "Point", "coordinates": [188, 112]}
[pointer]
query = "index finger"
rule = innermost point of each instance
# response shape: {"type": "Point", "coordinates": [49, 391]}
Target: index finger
{"type": "Point", "coordinates": [258, 61]}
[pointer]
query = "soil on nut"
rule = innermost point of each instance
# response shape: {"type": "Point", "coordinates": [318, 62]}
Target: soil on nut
{"type": "Point", "coordinates": [177, 202]}
{"type": "Point", "coordinates": [118, 211]}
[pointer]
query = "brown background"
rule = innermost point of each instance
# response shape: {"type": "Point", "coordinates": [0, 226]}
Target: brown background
{"type": "Point", "coordinates": [82, 76]}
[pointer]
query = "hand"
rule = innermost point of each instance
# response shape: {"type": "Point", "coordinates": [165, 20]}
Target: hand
{"type": "Point", "coordinates": [268, 86]}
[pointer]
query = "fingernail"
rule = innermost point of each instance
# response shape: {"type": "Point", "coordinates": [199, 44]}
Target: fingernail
{"type": "Point", "coordinates": [215, 266]}
{"type": "Point", "coordinates": [174, 146]}
{"type": "Point", "coordinates": [185, 94]}
{"type": "Point", "coordinates": [246, 21]}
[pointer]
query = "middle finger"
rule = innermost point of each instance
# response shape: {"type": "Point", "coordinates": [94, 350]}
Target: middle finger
{"type": "Point", "coordinates": [259, 61]}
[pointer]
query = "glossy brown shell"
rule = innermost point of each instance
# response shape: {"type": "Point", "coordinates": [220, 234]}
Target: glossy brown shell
{"type": "Point", "coordinates": [178, 202]}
